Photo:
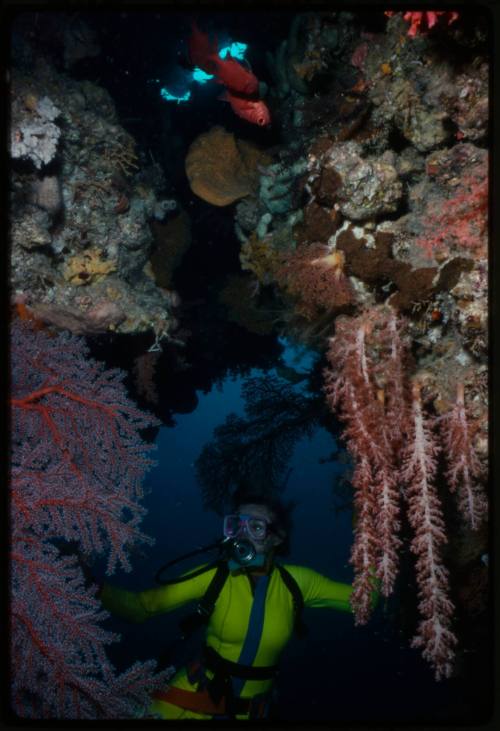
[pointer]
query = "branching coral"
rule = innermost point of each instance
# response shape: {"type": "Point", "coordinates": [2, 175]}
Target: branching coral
{"type": "Point", "coordinates": [465, 471]}
{"type": "Point", "coordinates": [419, 464]}
{"type": "Point", "coordinates": [76, 471]}
{"type": "Point", "coordinates": [121, 155]}
{"type": "Point", "coordinates": [258, 446]}
{"type": "Point", "coordinates": [361, 392]}
{"type": "Point", "coordinates": [395, 445]}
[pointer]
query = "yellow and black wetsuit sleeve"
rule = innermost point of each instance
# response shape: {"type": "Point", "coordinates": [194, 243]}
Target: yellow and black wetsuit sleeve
{"type": "Point", "coordinates": [137, 606]}
{"type": "Point", "coordinates": [320, 591]}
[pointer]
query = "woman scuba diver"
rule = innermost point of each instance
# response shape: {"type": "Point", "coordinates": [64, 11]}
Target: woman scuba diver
{"type": "Point", "coordinates": [250, 604]}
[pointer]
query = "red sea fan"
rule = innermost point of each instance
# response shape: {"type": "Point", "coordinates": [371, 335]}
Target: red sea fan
{"type": "Point", "coordinates": [77, 465]}
{"type": "Point", "coordinates": [77, 462]}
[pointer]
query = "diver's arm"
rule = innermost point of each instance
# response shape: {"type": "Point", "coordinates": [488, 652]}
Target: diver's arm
{"type": "Point", "coordinates": [122, 603]}
{"type": "Point", "coordinates": [137, 606]}
{"type": "Point", "coordinates": [320, 591]}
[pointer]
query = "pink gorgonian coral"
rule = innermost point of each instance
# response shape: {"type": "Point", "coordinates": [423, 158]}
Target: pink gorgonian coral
{"type": "Point", "coordinates": [76, 471]}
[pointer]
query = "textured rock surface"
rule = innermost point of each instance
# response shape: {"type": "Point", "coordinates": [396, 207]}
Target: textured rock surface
{"type": "Point", "coordinates": [396, 189]}
{"type": "Point", "coordinates": [83, 227]}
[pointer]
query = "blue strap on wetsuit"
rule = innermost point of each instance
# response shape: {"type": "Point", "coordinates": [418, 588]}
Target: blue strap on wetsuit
{"type": "Point", "coordinates": [254, 632]}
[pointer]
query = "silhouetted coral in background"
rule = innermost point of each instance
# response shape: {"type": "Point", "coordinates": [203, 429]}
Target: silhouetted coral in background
{"type": "Point", "coordinates": [255, 448]}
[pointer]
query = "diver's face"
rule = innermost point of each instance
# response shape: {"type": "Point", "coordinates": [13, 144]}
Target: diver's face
{"type": "Point", "coordinates": [270, 539]}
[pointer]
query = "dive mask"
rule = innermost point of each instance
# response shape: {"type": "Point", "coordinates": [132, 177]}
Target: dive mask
{"type": "Point", "coordinates": [257, 528]}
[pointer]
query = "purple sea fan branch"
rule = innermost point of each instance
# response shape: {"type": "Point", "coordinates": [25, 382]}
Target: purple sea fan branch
{"type": "Point", "coordinates": [77, 465]}
{"type": "Point", "coordinates": [84, 431]}
{"type": "Point", "coordinates": [464, 468]}
{"type": "Point", "coordinates": [55, 632]}
{"type": "Point", "coordinates": [424, 511]}
{"type": "Point", "coordinates": [133, 688]}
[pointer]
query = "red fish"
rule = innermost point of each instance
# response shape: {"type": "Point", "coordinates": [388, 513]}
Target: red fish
{"type": "Point", "coordinates": [253, 110]}
{"type": "Point", "coordinates": [227, 71]}
{"type": "Point", "coordinates": [233, 75]}
{"type": "Point", "coordinates": [201, 51]}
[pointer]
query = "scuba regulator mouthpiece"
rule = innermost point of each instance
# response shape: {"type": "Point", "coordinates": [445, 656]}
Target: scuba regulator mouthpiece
{"type": "Point", "coordinates": [242, 551]}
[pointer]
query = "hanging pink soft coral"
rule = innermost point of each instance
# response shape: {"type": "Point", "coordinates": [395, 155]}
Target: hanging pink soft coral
{"type": "Point", "coordinates": [464, 468]}
{"type": "Point", "coordinates": [353, 386]}
{"type": "Point", "coordinates": [424, 511]}
{"type": "Point", "coordinates": [393, 444]}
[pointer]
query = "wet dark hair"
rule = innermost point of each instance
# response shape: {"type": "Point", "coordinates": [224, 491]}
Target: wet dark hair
{"type": "Point", "coordinates": [282, 512]}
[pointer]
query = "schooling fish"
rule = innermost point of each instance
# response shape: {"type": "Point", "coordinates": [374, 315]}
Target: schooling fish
{"type": "Point", "coordinates": [227, 71]}
{"type": "Point", "coordinates": [253, 110]}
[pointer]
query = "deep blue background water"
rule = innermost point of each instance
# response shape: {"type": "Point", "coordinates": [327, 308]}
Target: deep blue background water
{"type": "Point", "coordinates": [339, 671]}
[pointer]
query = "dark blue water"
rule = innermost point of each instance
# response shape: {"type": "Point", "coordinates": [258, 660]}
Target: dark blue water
{"type": "Point", "coordinates": [339, 671]}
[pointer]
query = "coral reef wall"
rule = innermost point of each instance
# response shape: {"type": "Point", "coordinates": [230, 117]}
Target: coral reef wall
{"type": "Point", "coordinates": [371, 226]}
{"type": "Point", "coordinates": [82, 201]}
{"type": "Point", "coordinates": [364, 232]}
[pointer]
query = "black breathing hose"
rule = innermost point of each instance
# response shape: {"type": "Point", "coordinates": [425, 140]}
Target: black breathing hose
{"type": "Point", "coordinates": [218, 544]}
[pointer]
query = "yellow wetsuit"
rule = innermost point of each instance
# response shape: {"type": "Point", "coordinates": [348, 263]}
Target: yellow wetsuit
{"type": "Point", "coordinates": [228, 623]}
